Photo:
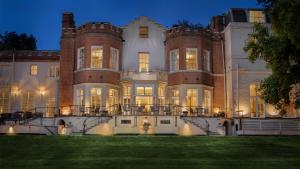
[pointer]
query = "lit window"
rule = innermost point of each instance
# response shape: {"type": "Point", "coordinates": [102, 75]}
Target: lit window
{"type": "Point", "coordinates": [174, 60]}
{"type": "Point", "coordinates": [207, 100]}
{"type": "Point", "coordinates": [50, 107]}
{"type": "Point", "coordinates": [126, 94]}
{"type": "Point", "coordinates": [53, 71]}
{"type": "Point", "coordinates": [161, 94]}
{"type": "Point", "coordinates": [127, 91]}
{"type": "Point", "coordinates": [97, 57]}
{"type": "Point", "coordinates": [206, 61]}
{"type": "Point", "coordinates": [257, 16]}
{"type": "Point", "coordinates": [80, 58]}
{"type": "Point", "coordinates": [256, 102]}
{"type": "Point", "coordinates": [175, 96]}
{"type": "Point", "coordinates": [4, 94]}
{"type": "Point", "coordinates": [143, 62]}
{"type": "Point", "coordinates": [33, 70]}
{"type": "Point", "coordinates": [27, 101]}
{"type": "Point", "coordinates": [144, 32]}
{"type": "Point", "coordinates": [142, 91]}
{"type": "Point", "coordinates": [191, 59]}
{"type": "Point", "coordinates": [191, 97]}
{"type": "Point", "coordinates": [96, 100]}
{"type": "Point", "coordinates": [113, 97]}
{"type": "Point", "coordinates": [80, 97]}
{"type": "Point", "coordinates": [114, 58]}
{"type": "Point", "coordinates": [148, 91]}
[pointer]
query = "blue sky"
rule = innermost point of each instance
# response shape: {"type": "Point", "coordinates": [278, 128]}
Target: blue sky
{"type": "Point", "coordinates": [42, 18]}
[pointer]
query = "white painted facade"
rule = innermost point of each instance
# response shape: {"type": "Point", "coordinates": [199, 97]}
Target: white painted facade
{"type": "Point", "coordinates": [17, 81]}
{"type": "Point", "coordinates": [133, 44]}
{"type": "Point", "coordinates": [240, 72]}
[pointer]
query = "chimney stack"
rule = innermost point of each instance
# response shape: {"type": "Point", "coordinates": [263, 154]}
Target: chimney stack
{"type": "Point", "coordinates": [68, 20]}
{"type": "Point", "coordinates": [217, 24]}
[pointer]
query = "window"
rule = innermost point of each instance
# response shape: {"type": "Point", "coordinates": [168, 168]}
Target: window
{"type": "Point", "coordinates": [80, 58]}
{"type": "Point", "coordinates": [125, 121]}
{"type": "Point", "coordinates": [144, 33]}
{"type": "Point", "coordinates": [165, 121]}
{"type": "Point", "coordinates": [126, 94]}
{"type": "Point", "coordinates": [257, 16]}
{"type": "Point", "coordinates": [4, 96]}
{"type": "Point", "coordinates": [256, 102]}
{"type": "Point", "coordinates": [50, 107]}
{"type": "Point", "coordinates": [96, 100]}
{"type": "Point", "coordinates": [161, 94]}
{"type": "Point", "coordinates": [97, 57]}
{"type": "Point", "coordinates": [114, 59]}
{"type": "Point", "coordinates": [113, 97]}
{"type": "Point", "coordinates": [143, 62]}
{"type": "Point", "coordinates": [191, 97]}
{"type": "Point", "coordinates": [174, 60]}
{"type": "Point", "coordinates": [53, 71]}
{"type": "Point", "coordinates": [33, 70]}
{"type": "Point", "coordinates": [27, 101]}
{"type": "Point", "coordinates": [207, 100]}
{"type": "Point", "coordinates": [175, 96]}
{"type": "Point", "coordinates": [80, 97]}
{"type": "Point", "coordinates": [206, 61]}
{"type": "Point", "coordinates": [144, 91]}
{"type": "Point", "coordinates": [191, 59]}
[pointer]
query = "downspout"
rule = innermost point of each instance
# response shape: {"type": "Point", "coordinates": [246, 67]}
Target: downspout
{"type": "Point", "coordinates": [225, 75]}
{"type": "Point", "coordinates": [238, 89]}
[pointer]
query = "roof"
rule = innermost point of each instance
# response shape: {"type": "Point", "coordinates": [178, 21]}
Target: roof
{"type": "Point", "coordinates": [29, 55]}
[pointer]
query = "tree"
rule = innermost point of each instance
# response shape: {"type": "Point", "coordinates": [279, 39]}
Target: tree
{"type": "Point", "coordinates": [279, 46]}
{"type": "Point", "coordinates": [186, 24]}
{"type": "Point", "coordinates": [12, 40]}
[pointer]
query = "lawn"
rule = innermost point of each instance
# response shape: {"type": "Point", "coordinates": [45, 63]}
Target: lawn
{"type": "Point", "coordinates": [148, 152]}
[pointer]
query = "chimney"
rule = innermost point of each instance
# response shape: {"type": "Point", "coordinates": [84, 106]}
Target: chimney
{"type": "Point", "coordinates": [217, 23]}
{"type": "Point", "coordinates": [68, 20]}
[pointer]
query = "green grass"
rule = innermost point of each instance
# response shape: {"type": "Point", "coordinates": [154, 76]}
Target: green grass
{"type": "Point", "coordinates": [153, 152]}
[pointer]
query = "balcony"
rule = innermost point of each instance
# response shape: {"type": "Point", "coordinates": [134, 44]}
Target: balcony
{"type": "Point", "coordinates": [157, 75]}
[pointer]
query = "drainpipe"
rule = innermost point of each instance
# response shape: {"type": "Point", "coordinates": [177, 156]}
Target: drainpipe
{"type": "Point", "coordinates": [238, 88]}
{"type": "Point", "coordinates": [225, 74]}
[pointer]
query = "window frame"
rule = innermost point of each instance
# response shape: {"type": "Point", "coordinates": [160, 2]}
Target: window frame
{"type": "Point", "coordinates": [144, 33]}
{"type": "Point", "coordinates": [174, 66]}
{"type": "Point", "coordinates": [207, 61]}
{"type": "Point", "coordinates": [146, 63]}
{"type": "Point", "coordinates": [196, 59]}
{"type": "Point", "coordinates": [33, 69]}
{"type": "Point", "coordinates": [114, 62]}
{"type": "Point", "coordinates": [255, 18]}
{"type": "Point", "coordinates": [80, 58]}
{"type": "Point", "coordinates": [100, 58]}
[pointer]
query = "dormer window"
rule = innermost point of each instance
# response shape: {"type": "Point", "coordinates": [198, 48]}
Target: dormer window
{"type": "Point", "coordinates": [144, 32]}
{"type": "Point", "coordinates": [257, 17]}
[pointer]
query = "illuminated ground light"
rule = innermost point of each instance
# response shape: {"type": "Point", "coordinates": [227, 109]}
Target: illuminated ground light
{"type": "Point", "coordinates": [11, 130]}
{"type": "Point", "coordinates": [66, 111]}
{"type": "Point", "coordinates": [105, 129]}
{"type": "Point", "coordinates": [186, 130]}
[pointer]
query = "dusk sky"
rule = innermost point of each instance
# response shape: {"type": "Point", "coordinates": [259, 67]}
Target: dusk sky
{"type": "Point", "coordinates": [42, 18]}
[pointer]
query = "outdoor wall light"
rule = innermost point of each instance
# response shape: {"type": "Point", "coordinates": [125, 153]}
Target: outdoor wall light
{"type": "Point", "coordinates": [66, 111]}
{"type": "Point", "coordinates": [15, 90]}
{"type": "Point", "coordinates": [42, 91]}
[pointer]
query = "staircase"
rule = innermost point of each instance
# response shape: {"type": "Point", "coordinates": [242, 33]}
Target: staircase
{"type": "Point", "coordinates": [90, 123]}
{"type": "Point", "coordinates": [209, 125]}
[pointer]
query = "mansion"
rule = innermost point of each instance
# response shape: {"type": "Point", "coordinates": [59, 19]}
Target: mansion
{"type": "Point", "coordinates": [142, 68]}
